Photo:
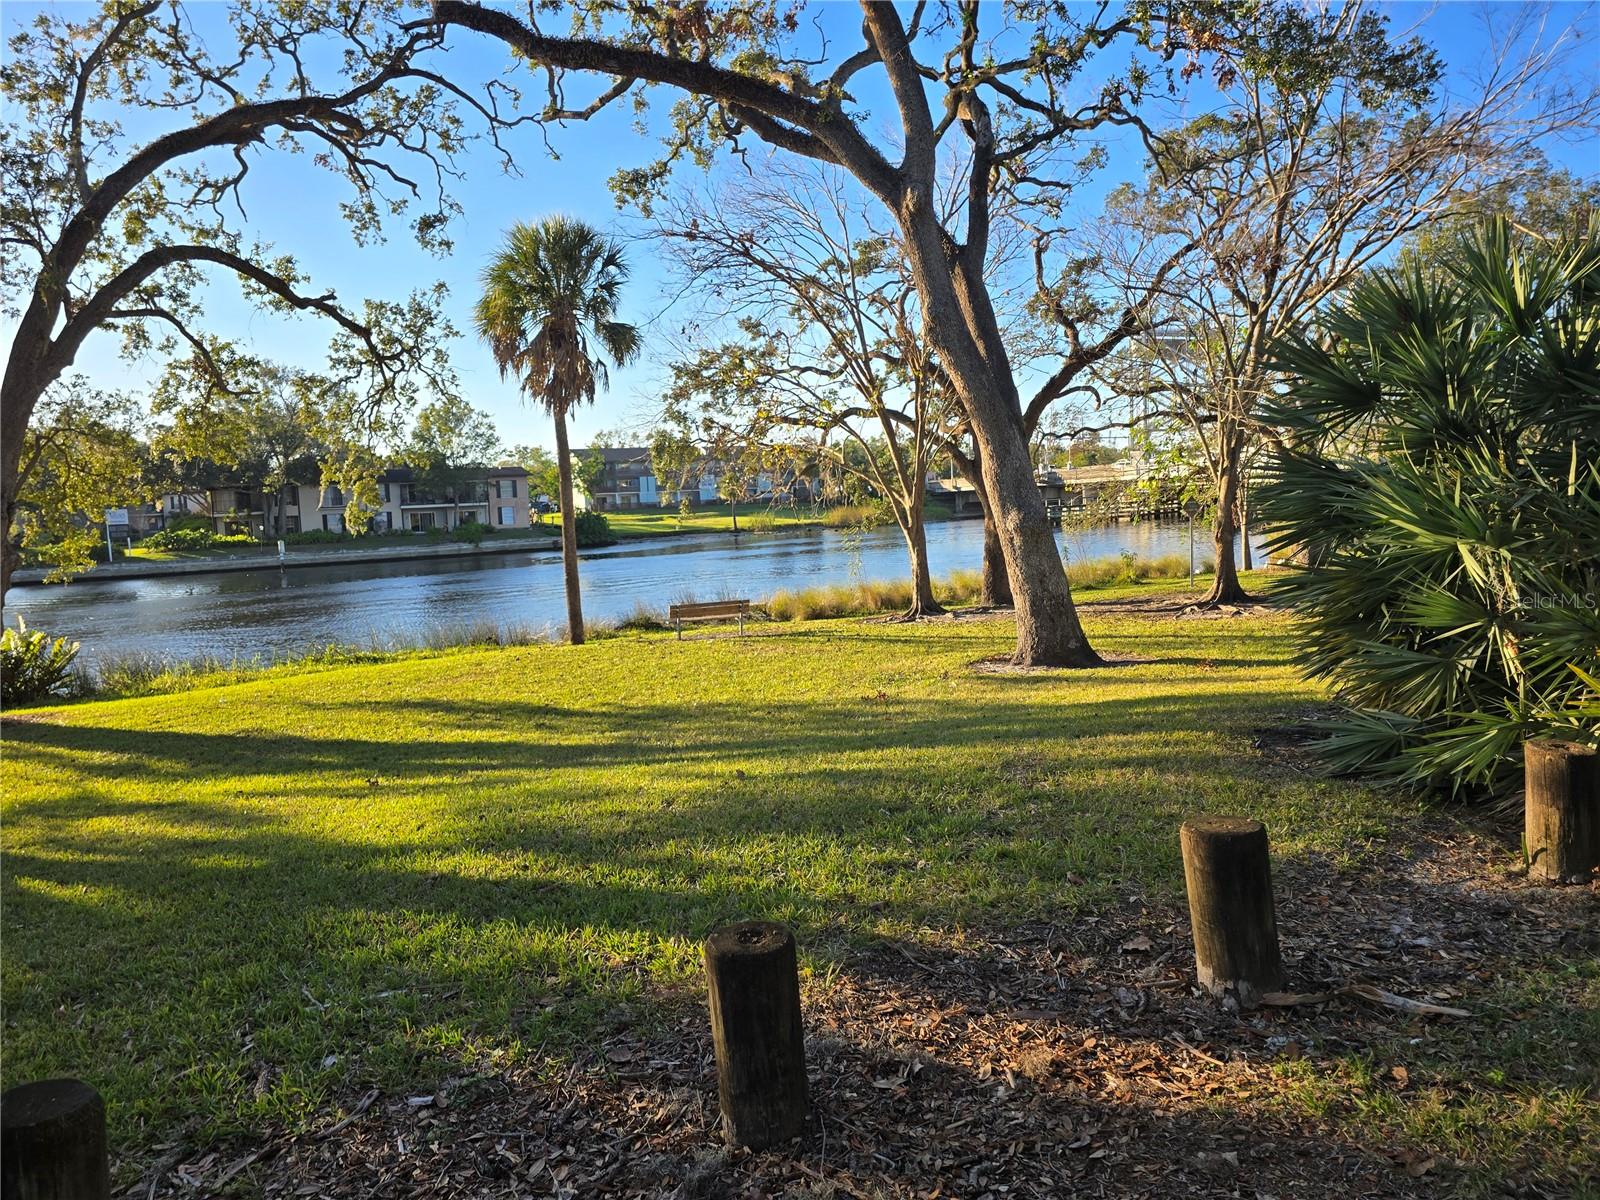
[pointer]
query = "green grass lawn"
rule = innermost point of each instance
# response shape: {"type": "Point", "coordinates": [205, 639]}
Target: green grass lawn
{"type": "Point", "coordinates": [667, 522]}
{"type": "Point", "coordinates": [232, 906]}
{"type": "Point", "coordinates": [626, 524]}
{"type": "Point", "coordinates": [540, 533]}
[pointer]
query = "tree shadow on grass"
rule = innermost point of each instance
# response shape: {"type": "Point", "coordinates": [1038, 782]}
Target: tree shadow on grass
{"type": "Point", "coordinates": [551, 737]}
{"type": "Point", "coordinates": [1038, 1061]}
{"type": "Point", "coordinates": [233, 909]}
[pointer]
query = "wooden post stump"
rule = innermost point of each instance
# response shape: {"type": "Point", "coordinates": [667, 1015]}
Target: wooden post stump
{"type": "Point", "coordinates": [754, 981]}
{"type": "Point", "coordinates": [1561, 809]}
{"type": "Point", "coordinates": [1229, 878]}
{"type": "Point", "coordinates": [53, 1142]}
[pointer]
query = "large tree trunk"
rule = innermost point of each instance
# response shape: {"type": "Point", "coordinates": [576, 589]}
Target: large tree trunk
{"type": "Point", "coordinates": [996, 583]}
{"type": "Point", "coordinates": [10, 557]}
{"type": "Point", "coordinates": [1048, 630]}
{"type": "Point", "coordinates": [569, 533]}
{"type": "Point", "coordinates": [1049, 633]}
{"type": "Point", "coordinates": [16, 410]}
{"type": "Point", "coordinates": [1225, 587]}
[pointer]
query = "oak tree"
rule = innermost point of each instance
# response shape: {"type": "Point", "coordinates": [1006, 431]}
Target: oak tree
{"type": "Point", "coordinates": [1335, 139]}
{"type": "Point", "coordinates": [126, 157]}
{"type": "Point", "coordinates": [1015, 104]}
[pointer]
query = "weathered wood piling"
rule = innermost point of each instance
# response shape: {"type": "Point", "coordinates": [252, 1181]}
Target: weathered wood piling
{"type": "Point", "coordinates": [1229, 878]}
{"type": "Point", "coordinates": [1561, 808]}
{"type": "Point", "coordinates": [754, 983]}
{"type": "Point", "coordinates": [53, 1142]}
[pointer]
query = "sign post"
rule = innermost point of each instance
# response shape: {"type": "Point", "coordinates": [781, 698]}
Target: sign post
{"type": "Point", "coordinates": [1191, 508]}
{"type": "Point", "coordinates": [113, 516]}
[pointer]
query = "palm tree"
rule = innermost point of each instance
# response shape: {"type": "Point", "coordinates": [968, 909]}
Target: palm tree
{"type": "Point", "coordinates": [549, 299]}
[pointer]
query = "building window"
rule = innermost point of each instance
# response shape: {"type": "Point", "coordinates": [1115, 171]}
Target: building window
{"type": "Point", "coordinates": [507, 515]}
{"type": "Point", "coordinates": [385, 493]}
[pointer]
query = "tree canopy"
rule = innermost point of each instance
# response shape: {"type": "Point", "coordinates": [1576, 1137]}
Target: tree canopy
{"type": "Point", "coordinates": [126, 153]}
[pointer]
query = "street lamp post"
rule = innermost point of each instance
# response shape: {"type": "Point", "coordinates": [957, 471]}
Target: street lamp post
{"type": "Point", "coordinates": [1191, 508]}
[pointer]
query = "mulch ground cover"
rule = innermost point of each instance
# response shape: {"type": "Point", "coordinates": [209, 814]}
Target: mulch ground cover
{"type": "Point", "coordinates": [1075, 1059]}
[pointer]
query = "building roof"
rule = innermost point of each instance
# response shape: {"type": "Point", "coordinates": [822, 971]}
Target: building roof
{"type": "Point", "coordinates": [949, 486]}
{"type": "Point", "coordinates": [406, 474]}
{"type": "Point", "coordinates": [618, 454]}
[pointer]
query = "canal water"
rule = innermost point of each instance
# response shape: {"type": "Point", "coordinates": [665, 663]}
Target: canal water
{"type": "Point", "coordinates": [268, 614]}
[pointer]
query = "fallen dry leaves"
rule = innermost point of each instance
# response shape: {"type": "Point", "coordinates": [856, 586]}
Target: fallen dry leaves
{"type": "Point", "coordinates": [1037, 1062]}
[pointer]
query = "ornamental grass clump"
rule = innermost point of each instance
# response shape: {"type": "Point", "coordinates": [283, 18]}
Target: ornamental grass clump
{"type": "Point", "coordinates": [1438, 487]}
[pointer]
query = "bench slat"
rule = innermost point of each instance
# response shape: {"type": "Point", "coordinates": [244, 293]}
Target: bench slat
{"type": "Point", "coordinates": [708, 611]}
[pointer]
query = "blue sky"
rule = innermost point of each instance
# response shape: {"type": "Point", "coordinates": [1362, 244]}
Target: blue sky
{"type": "Point", "coordinates": [292, 205]}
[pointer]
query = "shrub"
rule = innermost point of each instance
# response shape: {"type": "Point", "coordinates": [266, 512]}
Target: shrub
{"type": "Point", "coordinates": [959, 587]}
{"type": "Point", "coordinates": [857, 516]}
{"type": "Point", "coordinates": [594, 529]}
{"type": "Point", "coordinates": [315, 537]}
{"type": "Point", "coordinates": [470, 532]}
{"type": "Point", "coordinates": [1440, 479]}
{"type": "Point", "coordinates": [33, 666]}
{"type": "Point", "coordinates": [185, 537]}
{"type": "Point", "coordinates": [826, 601]}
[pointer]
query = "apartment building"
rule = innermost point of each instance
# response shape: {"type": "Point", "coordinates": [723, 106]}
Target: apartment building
{"type": "Point", "coordinates": [494, 496]}
{"type": "Point", "coordinates": [627, 479]}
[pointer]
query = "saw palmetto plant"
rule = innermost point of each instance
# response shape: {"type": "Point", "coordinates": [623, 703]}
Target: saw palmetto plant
{"type": "Point", "coordinates": [1438, 486]}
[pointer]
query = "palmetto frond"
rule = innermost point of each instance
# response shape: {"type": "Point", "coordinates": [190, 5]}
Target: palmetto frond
{"type": "Point", "coordinates": [1441, 478]}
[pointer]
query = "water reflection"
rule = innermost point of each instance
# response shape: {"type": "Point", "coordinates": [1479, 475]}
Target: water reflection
{"type": "Point", "coordinates": [245, 614]}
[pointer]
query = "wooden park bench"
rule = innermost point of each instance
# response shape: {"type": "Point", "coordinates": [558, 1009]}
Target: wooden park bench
{"type": "Point", "coordinates": [715, 610]}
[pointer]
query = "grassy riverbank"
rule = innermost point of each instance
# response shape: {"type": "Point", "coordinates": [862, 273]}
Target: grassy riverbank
{"type": "Point", "coordinates": [238, 910]}
{"type": "Point", "coordinates": [116, 676]}
{"type": "Point", "coordinates": [626, 524]}
{"type": "Point", "coordinates": [753, 518]}
{"type": "Point", "coordinates": [537, 536]}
